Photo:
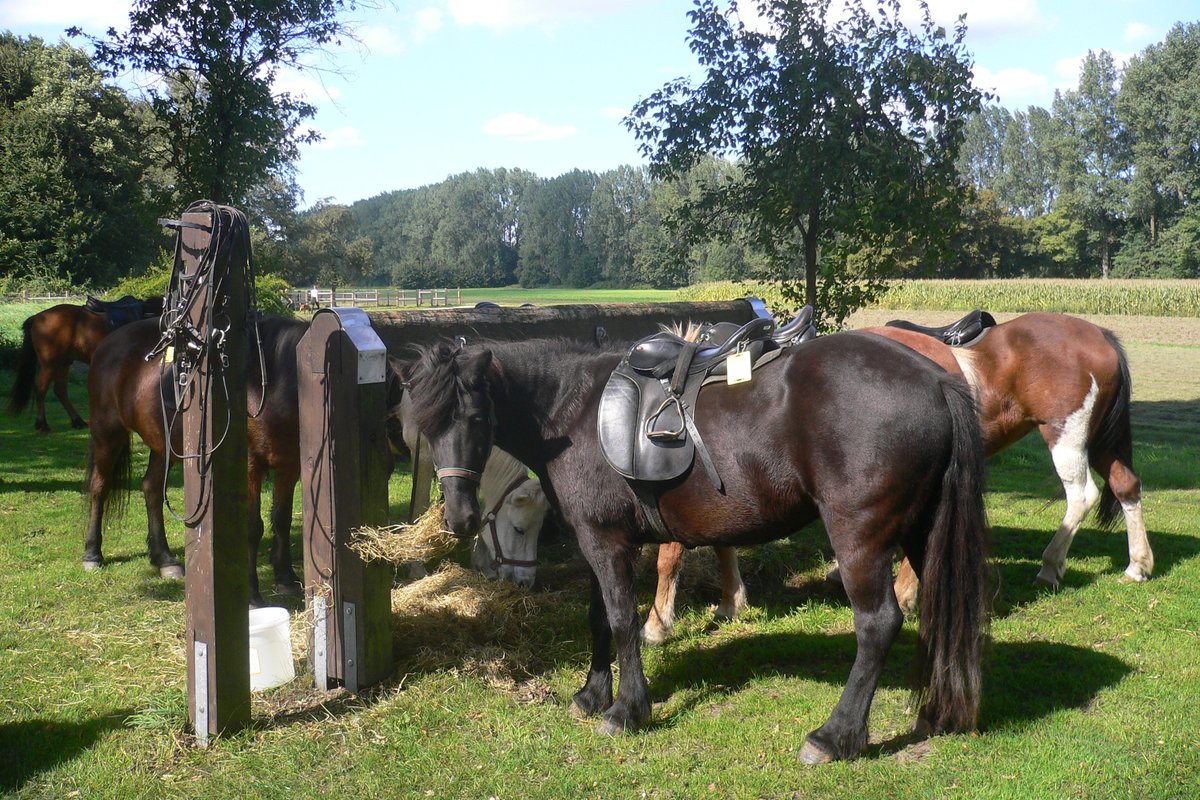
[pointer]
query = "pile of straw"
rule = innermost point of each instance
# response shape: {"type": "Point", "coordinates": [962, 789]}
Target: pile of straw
{"type": "Point", "coordinates": [424, 540]}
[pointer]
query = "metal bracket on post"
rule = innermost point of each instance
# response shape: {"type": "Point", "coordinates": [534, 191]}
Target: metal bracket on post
{"type": "Point", "coordinates": [200, 712]}
{"type": "Point", "coordinates": [320, 648]}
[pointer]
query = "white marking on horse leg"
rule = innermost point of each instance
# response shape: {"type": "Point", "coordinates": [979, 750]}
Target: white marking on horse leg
{"type": "Point", "coordinates": [1071, 463]}
{"type": "Point", "coordinates": [660, 622]}
{"type": "Point", "coordinates": [1141, 557]}
{"type": "Point", "coordinates": [733, 591]}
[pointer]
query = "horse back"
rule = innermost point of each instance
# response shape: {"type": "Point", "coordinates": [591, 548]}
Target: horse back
{"type": "Point", "coordinates": [845, 422]}
{"type": "Point", "coordinates": [66, 333]}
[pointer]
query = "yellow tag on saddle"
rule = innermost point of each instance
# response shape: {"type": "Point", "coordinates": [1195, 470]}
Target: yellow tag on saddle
{"type": "Point", "coordinates": [169, 354]}
{"type": "Point", "coordinates": [737, 368]}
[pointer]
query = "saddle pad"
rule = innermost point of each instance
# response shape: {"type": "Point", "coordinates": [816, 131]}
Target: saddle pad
{"type": "Point", "coordinates": [626, 402]}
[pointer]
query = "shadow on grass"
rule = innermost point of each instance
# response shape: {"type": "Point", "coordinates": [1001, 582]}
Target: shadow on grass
{"type": "Point", "coordinates": [1022, 681]}
{"type": "Point", "coordinates": [31, 747]}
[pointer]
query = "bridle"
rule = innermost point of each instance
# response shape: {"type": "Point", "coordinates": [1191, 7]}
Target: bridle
{"type": "Point", "coordinates": [498, 557]}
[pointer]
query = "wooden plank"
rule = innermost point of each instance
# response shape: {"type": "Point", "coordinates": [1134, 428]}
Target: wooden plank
{"type": "Point", "coordinates": [217, 582]}
{"type": "Point", "coordinates": [344, 487]}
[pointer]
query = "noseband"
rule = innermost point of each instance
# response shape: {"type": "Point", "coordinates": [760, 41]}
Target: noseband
{"type": "Point", "coordinates": [498, 557]}
{"type": "Point", "coordinates": [459, 472]}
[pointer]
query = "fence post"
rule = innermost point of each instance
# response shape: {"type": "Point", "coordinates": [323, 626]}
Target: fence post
{"type": "Point", "coordinates": [217, 583]}
{"type": "Point", "coordinates": [342, 392]}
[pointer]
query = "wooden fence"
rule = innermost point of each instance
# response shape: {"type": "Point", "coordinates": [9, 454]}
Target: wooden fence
{"type": "Point", "coordinates": [375, 298]}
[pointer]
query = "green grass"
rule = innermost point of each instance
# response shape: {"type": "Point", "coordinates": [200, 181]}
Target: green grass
{"type": "Point", "coordinates": [1089, 691]}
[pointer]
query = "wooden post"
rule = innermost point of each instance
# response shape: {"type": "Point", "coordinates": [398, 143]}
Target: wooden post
{"type": "Point", "coordinates": [341, 370]}
{"type": "Point", "coordinates": [214, 431]}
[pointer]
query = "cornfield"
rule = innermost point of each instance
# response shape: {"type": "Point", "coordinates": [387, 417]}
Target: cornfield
{"type": "Point", "coordinates": [1151, 298]}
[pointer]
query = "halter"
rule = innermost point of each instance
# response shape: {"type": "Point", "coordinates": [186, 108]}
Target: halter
{"type": "Point", "coordinates": [459, 472]}
{"type": "Point", "coordinates": [498, 557]}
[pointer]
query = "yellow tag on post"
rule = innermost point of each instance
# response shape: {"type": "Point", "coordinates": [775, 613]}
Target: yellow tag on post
{"type": "Point", "coordinates": [169, 354]}
{"type": "Point", "coordinates": [737, 368]}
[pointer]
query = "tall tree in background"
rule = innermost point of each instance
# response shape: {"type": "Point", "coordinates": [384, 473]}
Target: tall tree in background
{"type": "Point", "coordinates": [228, 128]}
{"type": "Point", "coordinates": [1094, 159]}
{"type": "Point", "coordinates": [846, 131]}
{"type": "Point", "coordinates": [77, 189]}
{"type": "Point", "coordinates": [331, 249]}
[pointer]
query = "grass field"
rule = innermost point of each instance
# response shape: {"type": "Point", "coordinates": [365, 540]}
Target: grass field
{"type": "Point", "coordinates": [1089, 691]}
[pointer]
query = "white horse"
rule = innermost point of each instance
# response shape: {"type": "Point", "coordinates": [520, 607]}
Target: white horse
{"type": "Point", "coordinates": [507, 540]}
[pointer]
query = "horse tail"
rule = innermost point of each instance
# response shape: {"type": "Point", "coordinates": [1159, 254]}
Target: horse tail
{"type": "Point", "coordinates": [26, 372]}
{"type": "Point", "coordinates": [954, 593]}
{"type": "Point", "coordinates": [116, 499]}
{"type": "Point", "coordinates": [1114, 437]}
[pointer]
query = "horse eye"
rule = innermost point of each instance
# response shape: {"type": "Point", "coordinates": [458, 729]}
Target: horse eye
{"type": "Point", "coordinates": [518, 531]}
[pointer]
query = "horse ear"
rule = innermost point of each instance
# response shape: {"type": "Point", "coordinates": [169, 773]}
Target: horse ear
{"type": "Point", "coordinates": [520, 498]}
{"type": "Point", "coordinates": [477, 363]}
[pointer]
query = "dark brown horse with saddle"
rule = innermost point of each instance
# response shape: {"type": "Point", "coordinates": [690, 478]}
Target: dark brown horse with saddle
{"type": "Point", "coordinates": [883, 468]}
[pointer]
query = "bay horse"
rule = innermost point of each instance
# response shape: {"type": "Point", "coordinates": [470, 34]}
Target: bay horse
{"type": "Point", "coordinates": [863, 434]}
{"type": "Point", "coordinates": [1059, 374]}
{"type": "Point", "coordinates": [125, 394]}
{"type": "Point", "coordinates": [55, 339]}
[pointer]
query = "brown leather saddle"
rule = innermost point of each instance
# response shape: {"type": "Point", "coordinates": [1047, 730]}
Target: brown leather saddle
{"type": "Point", "coordinates": [963, 333]}
{"type": "Point", "coordinates": [646, 419]}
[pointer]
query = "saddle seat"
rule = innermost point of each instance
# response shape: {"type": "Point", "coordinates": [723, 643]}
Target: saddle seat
{"type": "Point", "coordinates": [645, 417]}
{"type": "Point", "coordinates": [962, 333]}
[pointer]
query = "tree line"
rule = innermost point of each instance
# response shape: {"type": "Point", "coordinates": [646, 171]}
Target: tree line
{"type": "Point", "coordinates": [909, 174]}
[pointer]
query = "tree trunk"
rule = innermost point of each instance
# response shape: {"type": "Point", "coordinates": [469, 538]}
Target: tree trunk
{"type": "Point", "coordinates": [810, 256]}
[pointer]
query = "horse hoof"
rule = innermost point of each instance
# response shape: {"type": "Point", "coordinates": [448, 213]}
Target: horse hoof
{"type": "Point", "coordinates": [79, 423]}
{"type": "Point", "coordinates": [654, 636]}
{"type": "Point", "coordinates": [608, 727]}
{"type": "Point", "coordinates": [1136, 575]}
{"type": "Point", "coordinates": [811, 754]}
{"type": "Point", "coordinates": [577, 711]}
{"type": "Point", "coordinates": [41, 427]}
{"type": "Point", "coordinates": [92, 566]}
{"type": "Point", "coordinates": [171, 571]}
{"type": "Point", "coordinates": [290, 589]}
{"type": "Point", "coordinates": [1042, 581]}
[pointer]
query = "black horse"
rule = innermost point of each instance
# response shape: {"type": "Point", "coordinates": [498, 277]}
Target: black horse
{"type": "Point", "coordinates": [876, 441]}
{"type": "Point", "coordinates": [126, 392]}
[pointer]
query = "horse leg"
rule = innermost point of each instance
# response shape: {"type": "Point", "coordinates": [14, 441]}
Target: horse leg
{"type": "Point", "coordinates": [867, 576]}
{"type": "Point", "coordinates": [156, 531]}
{"type": "Point", "coordinates": [60, 391]}
{"type": "Point", "coordinates": [613, 616]}
{"type": "Point", "coordinates": [1068, 449]}
{"type": "Point", "coordinates": [40, 387]}
{"type": "Point", "coordinates": [254, 530]}
{"type": "Point", "coordinates": [282, 496]}
{"type": "Point", "coordinates": [100, 485]}
{"type": "Point", "coordinates": [1127, 487]}
{"type": "Point", "coordinates": [660, 622]}
{"type": "Point", "coordinates": [733, 591]}
{"type": "Point", "coordinates": [906, 586]}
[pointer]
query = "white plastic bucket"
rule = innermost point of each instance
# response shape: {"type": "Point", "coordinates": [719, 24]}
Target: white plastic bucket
{"type": "Point", "coordinates": [270, 648]}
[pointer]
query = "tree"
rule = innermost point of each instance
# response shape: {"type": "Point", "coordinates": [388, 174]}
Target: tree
{"type": "Point", "coordinates": [77, 189]}
{"type": "Point", "coordinates": [1095, 160]}
{"type": "Point", "coordinates": [846, 132]}
{"type": "Point", "coordinates": [331, 247]}
{"type": "Point", "coordinates": [228, 129]}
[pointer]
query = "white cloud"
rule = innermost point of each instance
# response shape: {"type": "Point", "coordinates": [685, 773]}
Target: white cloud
{"type": "Point", "coordinates": [338, 138]}
{"type": "Point", "coordinates": [378, 40]}
{"type": "Point", "coordinates": [1139, 33]}
{"type": "Point", "coordinates": [305, 85]}
{"type": "Point", "coordinates": [1014, 87]}
{"type": "Point", "coordinates": [93, 16]}
{"type": "Point", "coordinates": [427, 22]}
{"type": "Point", "coordinates": [985, 18]}
{"type": "Point", "coordinates": [509, 14]}
{"type": "Point", "coordinates": [616, 112]}
{"type": "Point", "coordinates": [520, 128]}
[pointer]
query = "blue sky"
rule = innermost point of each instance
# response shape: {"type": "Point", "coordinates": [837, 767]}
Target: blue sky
{"type": "Point", "coordinates": [439, 87]}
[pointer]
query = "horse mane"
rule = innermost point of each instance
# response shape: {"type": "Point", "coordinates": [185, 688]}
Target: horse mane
{"type": "Point", "coordinates": [688, 331]}
{"type": "Point", "coordinates": [502, 471]}
{"type": "Point", "coordinates": [439, 385]}
{"type": "Point", "coordinates": [966, 362]}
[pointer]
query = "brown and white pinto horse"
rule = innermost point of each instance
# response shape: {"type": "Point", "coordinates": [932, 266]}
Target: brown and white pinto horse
{"type": "Point", "coordinates": [1062, 375]}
